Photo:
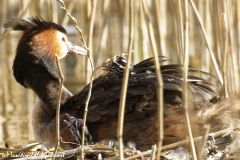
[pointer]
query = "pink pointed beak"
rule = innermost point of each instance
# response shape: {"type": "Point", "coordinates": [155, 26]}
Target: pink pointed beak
{"type": "Point", "coordinates": [74, 49]}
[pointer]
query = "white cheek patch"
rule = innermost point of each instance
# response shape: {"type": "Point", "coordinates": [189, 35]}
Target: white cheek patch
{"type": "Point", "coordinates": [62, 47]}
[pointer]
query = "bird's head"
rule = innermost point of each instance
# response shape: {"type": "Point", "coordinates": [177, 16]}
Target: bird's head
{"type": "Point", "coordinates": [39, 45]}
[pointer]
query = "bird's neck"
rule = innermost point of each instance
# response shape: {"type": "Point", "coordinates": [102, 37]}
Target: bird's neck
{"type": "Point", "coordinates": [47, 89]}
{"type": "Point", "coordinates": [43, 79]}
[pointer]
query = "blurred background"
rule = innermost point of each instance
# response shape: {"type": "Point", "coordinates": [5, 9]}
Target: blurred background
{"type": "Point", "coordinates": [220, 18]}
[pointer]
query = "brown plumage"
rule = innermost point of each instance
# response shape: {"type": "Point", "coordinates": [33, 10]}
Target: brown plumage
{"type": "Point", "coordinates": [34, 67]}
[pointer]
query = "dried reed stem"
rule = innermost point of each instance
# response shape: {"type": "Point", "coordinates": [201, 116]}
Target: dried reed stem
{"type": "Point", "coordinates": [204, 140]}
{"type": "Point", "coordinates": [235, 56]}
{"type": "Point", "coordinates": [125, 83]}
{"type": "Point", "coordinates": [184, 142]}
{"type": "Point", "coordinates": [185, 77]}
{"type": "Point", "coordinates": [89, 40]}
{"type": "Point", "coordinates": [105, 32]}
{"type": "Point", "coordinates": [86, 107]}
{"type": "Point", "coordinates": [92, 17]}
{"type": "Point", "coordinates": [162, 50]}
{"type": "Point", "coordinates": [143, 34]}
{"type": "Point", "coordinates": [75, 23]}
{"type": "Point", "coordinates": [207, 42]}
{"type": "Point", "coordinates": [153, 152]}
{"type": "Point", "coordinates": [58, 105]}
{"type": "Point", "coordinates": [179, 30]}
{"type": "Point", "coordinates": [224, 66]}
{"type": "Point", "coordinates": [89, 44]}
{"type": "Point", "coordinates": [159, 79]}
{"type": "Point", "coordinates": [91, 80]}
{"type": "Point", "coordinates": [70, 9]}
{"type": "Point", "coordinates": [138, 156]}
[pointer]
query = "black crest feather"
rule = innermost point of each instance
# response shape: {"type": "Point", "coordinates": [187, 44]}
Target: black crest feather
{"type": "Point", "coordinates": [32, 23]}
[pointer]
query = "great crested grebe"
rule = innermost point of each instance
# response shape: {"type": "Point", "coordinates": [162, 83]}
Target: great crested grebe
{"type": "Point", "coordinates": [34, 67]}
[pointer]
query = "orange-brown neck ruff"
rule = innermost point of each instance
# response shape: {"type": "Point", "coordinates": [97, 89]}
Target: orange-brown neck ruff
{"type": "Point", "coordinates": [47, 43]}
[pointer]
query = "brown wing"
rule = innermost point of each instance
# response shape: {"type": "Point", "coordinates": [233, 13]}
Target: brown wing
{"type": "Point", "coordinates": [141, 93]}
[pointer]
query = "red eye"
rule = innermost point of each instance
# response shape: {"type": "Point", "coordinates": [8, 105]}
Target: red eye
{"type": "Point", "coordinates": [63, 39]}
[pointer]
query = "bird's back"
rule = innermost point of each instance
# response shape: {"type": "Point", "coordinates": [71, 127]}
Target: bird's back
{"type": "Point", "coordinates": [141, 101]}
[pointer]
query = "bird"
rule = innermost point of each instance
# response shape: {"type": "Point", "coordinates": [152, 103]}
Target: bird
{"type": "Point", "coordinates": [35, 68]}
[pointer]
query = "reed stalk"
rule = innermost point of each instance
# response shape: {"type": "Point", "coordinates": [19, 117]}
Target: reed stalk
{"type": "Point", "coordinates": [125, 83]}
